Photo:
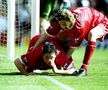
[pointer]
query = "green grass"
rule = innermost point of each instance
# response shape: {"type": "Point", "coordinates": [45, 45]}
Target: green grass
{"type": "Point", "coordinates": [97, 79]}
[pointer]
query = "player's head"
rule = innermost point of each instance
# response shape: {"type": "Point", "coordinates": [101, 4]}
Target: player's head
{"type": "Point", "coordinates": [49, 48]}
{"type": "Point", "coordinates": [49, 52]}
{"type": "Point", "coordinates": [65, 18]}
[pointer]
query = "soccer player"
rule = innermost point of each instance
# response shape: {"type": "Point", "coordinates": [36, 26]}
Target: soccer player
{"type": "Point", "coordinates": [43, 57]}
{"type": "Point", "coordinates": [70, 27]}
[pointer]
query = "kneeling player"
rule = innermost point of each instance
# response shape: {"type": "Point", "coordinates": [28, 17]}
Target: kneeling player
{"type": "Point", "coordinates": [44, 57]}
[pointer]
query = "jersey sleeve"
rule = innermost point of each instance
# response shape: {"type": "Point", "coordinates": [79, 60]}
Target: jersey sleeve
{"type": "Point", "coordinates": [62, 60]}
{"type": "Point", "coordinates": [54, 29]}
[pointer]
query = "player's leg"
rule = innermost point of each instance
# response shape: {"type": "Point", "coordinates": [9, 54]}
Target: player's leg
{"type": "Point", "coordinates": [94, 34]}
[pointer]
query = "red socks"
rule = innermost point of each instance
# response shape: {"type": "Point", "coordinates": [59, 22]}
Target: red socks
{"type": "Point", "coordinates": [88, 54]}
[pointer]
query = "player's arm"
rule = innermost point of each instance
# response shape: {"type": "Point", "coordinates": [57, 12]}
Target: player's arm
{"type": "Point", "coordinates": [40, 40]}
{"type": "Point", "coordinates": [51, 31]}
{"type": "Point", "coordinates": [61, 71]}
{"type": "Point", "coordinates": [20, 66]}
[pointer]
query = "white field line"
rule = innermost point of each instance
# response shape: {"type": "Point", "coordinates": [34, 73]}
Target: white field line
{"type": "Point", "coordinates": [65, 87]}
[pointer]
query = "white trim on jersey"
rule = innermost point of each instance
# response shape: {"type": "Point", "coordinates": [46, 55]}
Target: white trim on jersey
{"type": "Point", "coordinates": [49, 34]}
{"type": "Point", "coordinates": [21, 61]}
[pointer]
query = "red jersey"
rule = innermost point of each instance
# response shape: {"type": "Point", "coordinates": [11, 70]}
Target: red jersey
{"type": "Point", "coordinates": [63, 61]}
{"type": "Point", "coordinates": [86, 19]}
{"type": "Point", "coordinates": [53, 40]}
{"type": "Point", "coordinates": [33, 58]}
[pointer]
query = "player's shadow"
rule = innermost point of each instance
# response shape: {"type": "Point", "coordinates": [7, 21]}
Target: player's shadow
{"type": "Point", "coordinates": [47, 74]}
{"type": "Point", "coordinates": [17, 73]}
{"type": "Point", "coordinates": [36, 74]}
{"type": "Point", "coordinates": [10, 73]}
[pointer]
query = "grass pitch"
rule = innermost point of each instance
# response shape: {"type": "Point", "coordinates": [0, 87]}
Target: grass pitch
{"type": "Point", "coordinates": [97, 79]}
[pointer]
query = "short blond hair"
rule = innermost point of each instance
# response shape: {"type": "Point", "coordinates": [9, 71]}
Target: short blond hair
{"type": "Point", "coordinates": [64, 14]}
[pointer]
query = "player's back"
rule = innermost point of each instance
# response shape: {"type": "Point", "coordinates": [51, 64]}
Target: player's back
{"type": "Point", "coordinates": [90, 15]}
